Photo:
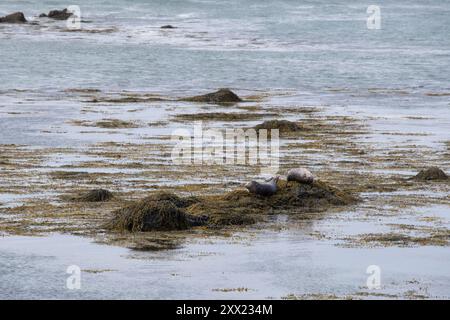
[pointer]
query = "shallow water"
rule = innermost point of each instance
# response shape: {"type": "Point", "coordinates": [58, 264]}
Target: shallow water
{"type": "Point", "coordinates": [267, 265]}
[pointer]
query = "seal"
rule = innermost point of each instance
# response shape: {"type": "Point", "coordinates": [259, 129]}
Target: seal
{"type": "Point", "coordinates": [301, 175]}
{"type": "Point", "coordinates": [263, 189]}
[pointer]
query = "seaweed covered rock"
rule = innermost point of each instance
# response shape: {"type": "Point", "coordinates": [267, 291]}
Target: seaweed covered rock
{"type": "Point", "coordinates": [57, 14]}
{"type": "Point", "coordinates": [432, 173]}
{"type": "Point", "coordinates": [242, 207]}
{"type": "Point", "coordinates": [180, 202]}
{"type": "Point", "coordinates": [158, 212]}
{"type": "Point", "coordinates": [16, 17]}
{"type": "Point", "coordinates": [284, 126]}
{"type": "Point", "coordinates": [96, 195]}
{"type": "Point", "coordinates": [221, 96]}
{"type": "Point", "coordinates": [165, 211]}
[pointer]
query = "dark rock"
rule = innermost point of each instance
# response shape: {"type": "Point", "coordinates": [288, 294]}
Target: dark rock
{"type": "Point", "coordinates": [57, 14]}
{"type": "Point", "coordinates": [17, 17]}
{"type": "Point", "coordinates": [282, 125]}
{"type": "Point", "coordinates": [96, 195]}
{"type": "Point", "coordinates": [168, 26]}
{"type": "Point", "coordinates": [433, 173]}
{"type": "Point", "coordinates": [221, 96]}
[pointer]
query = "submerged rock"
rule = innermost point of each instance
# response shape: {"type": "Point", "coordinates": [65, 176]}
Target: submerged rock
{"type": "Point", "coordinates": [220, 96]}
{"type": "Point", "coordinates": [283, 126]}
{"type": "Point", "coordinates": [17, 17]}
{"type": "Point", "coordinates": [432, 173]}
{"type": "Point", "coordinates": [158, 212]}
{"type": "Point", "coordinates": [57, 14]}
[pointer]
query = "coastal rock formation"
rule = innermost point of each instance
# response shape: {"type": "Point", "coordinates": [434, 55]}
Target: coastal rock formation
{"type": "Point", "coordinates": [96, 195]}
{"type": "Point", "coordinates": [57, 14]}
{"type": "Point", "coordinates": [242, 207]}
{"type": "Point", "coordinates": [220, 96]}
{"type": "Point", "coordinates": [17, 17]}
{"type": "Point", "coordinates": [432, 173]}
{"type": "Point", "coordinates": [165, 211]}
{"type": "Point", "coordinates": [284, 126]}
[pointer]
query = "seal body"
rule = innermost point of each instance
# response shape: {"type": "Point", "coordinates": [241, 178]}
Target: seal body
{"type": "Point", "coordinates": [301, 175]}
{"type": "Point", "coordinates": [263, 189]}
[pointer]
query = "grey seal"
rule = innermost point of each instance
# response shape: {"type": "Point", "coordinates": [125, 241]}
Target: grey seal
{"type": "Point", "coordinates": [263, 189]}
{"type": "Point", "coordinates": [301, 175]}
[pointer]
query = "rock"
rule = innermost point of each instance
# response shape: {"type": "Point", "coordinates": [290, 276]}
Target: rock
{"type": "Point", "coordinates": [221, 96]}
{"type": "Point", "coordinates": [166, 211]}
{"type": "Point", "coordinates": [242, 207]}
{"type": "Point", "coordinates": [96, 195]}
{"type": "Point", "coordinates": [57, 14]}
{"type": "Point", "coordinates": [432, 173]}
{"type": "Point", "coordinates": [17, 17]}
{"type": "Point", "coordinates": [168, 26]}
{"type": "Point", "coordinates": [284, 126]}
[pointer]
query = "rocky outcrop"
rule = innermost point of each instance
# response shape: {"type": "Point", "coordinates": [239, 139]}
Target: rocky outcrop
{"type": "Point", "coordinates": [243, 207]}
{"type": "Point", "coordinates": [284, 126]}
{"type": "Point", "coordinates": [17, 17]}
{"type": "Point", "coordinates": [168, 26]}
{"type": "Point", "coordinates": [165, 211]}
{"type": "Point", "coordinates": [220, 96]}
{"type": "Point", "coordinates": [433, 173]}
{"type": "Point", "coordinates": [57, 14]}
{"type": "Point", "coordinates": [96, 195]}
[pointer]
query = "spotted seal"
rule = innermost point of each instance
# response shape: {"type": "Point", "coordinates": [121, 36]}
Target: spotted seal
{"type": "Point", "coordinates": [263, 189]}
{"type": "Point", "coordinates": [301, 175]}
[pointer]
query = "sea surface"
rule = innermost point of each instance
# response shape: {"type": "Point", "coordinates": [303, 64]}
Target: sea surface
{"type": "Point", "coordinates": [309, 46]}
